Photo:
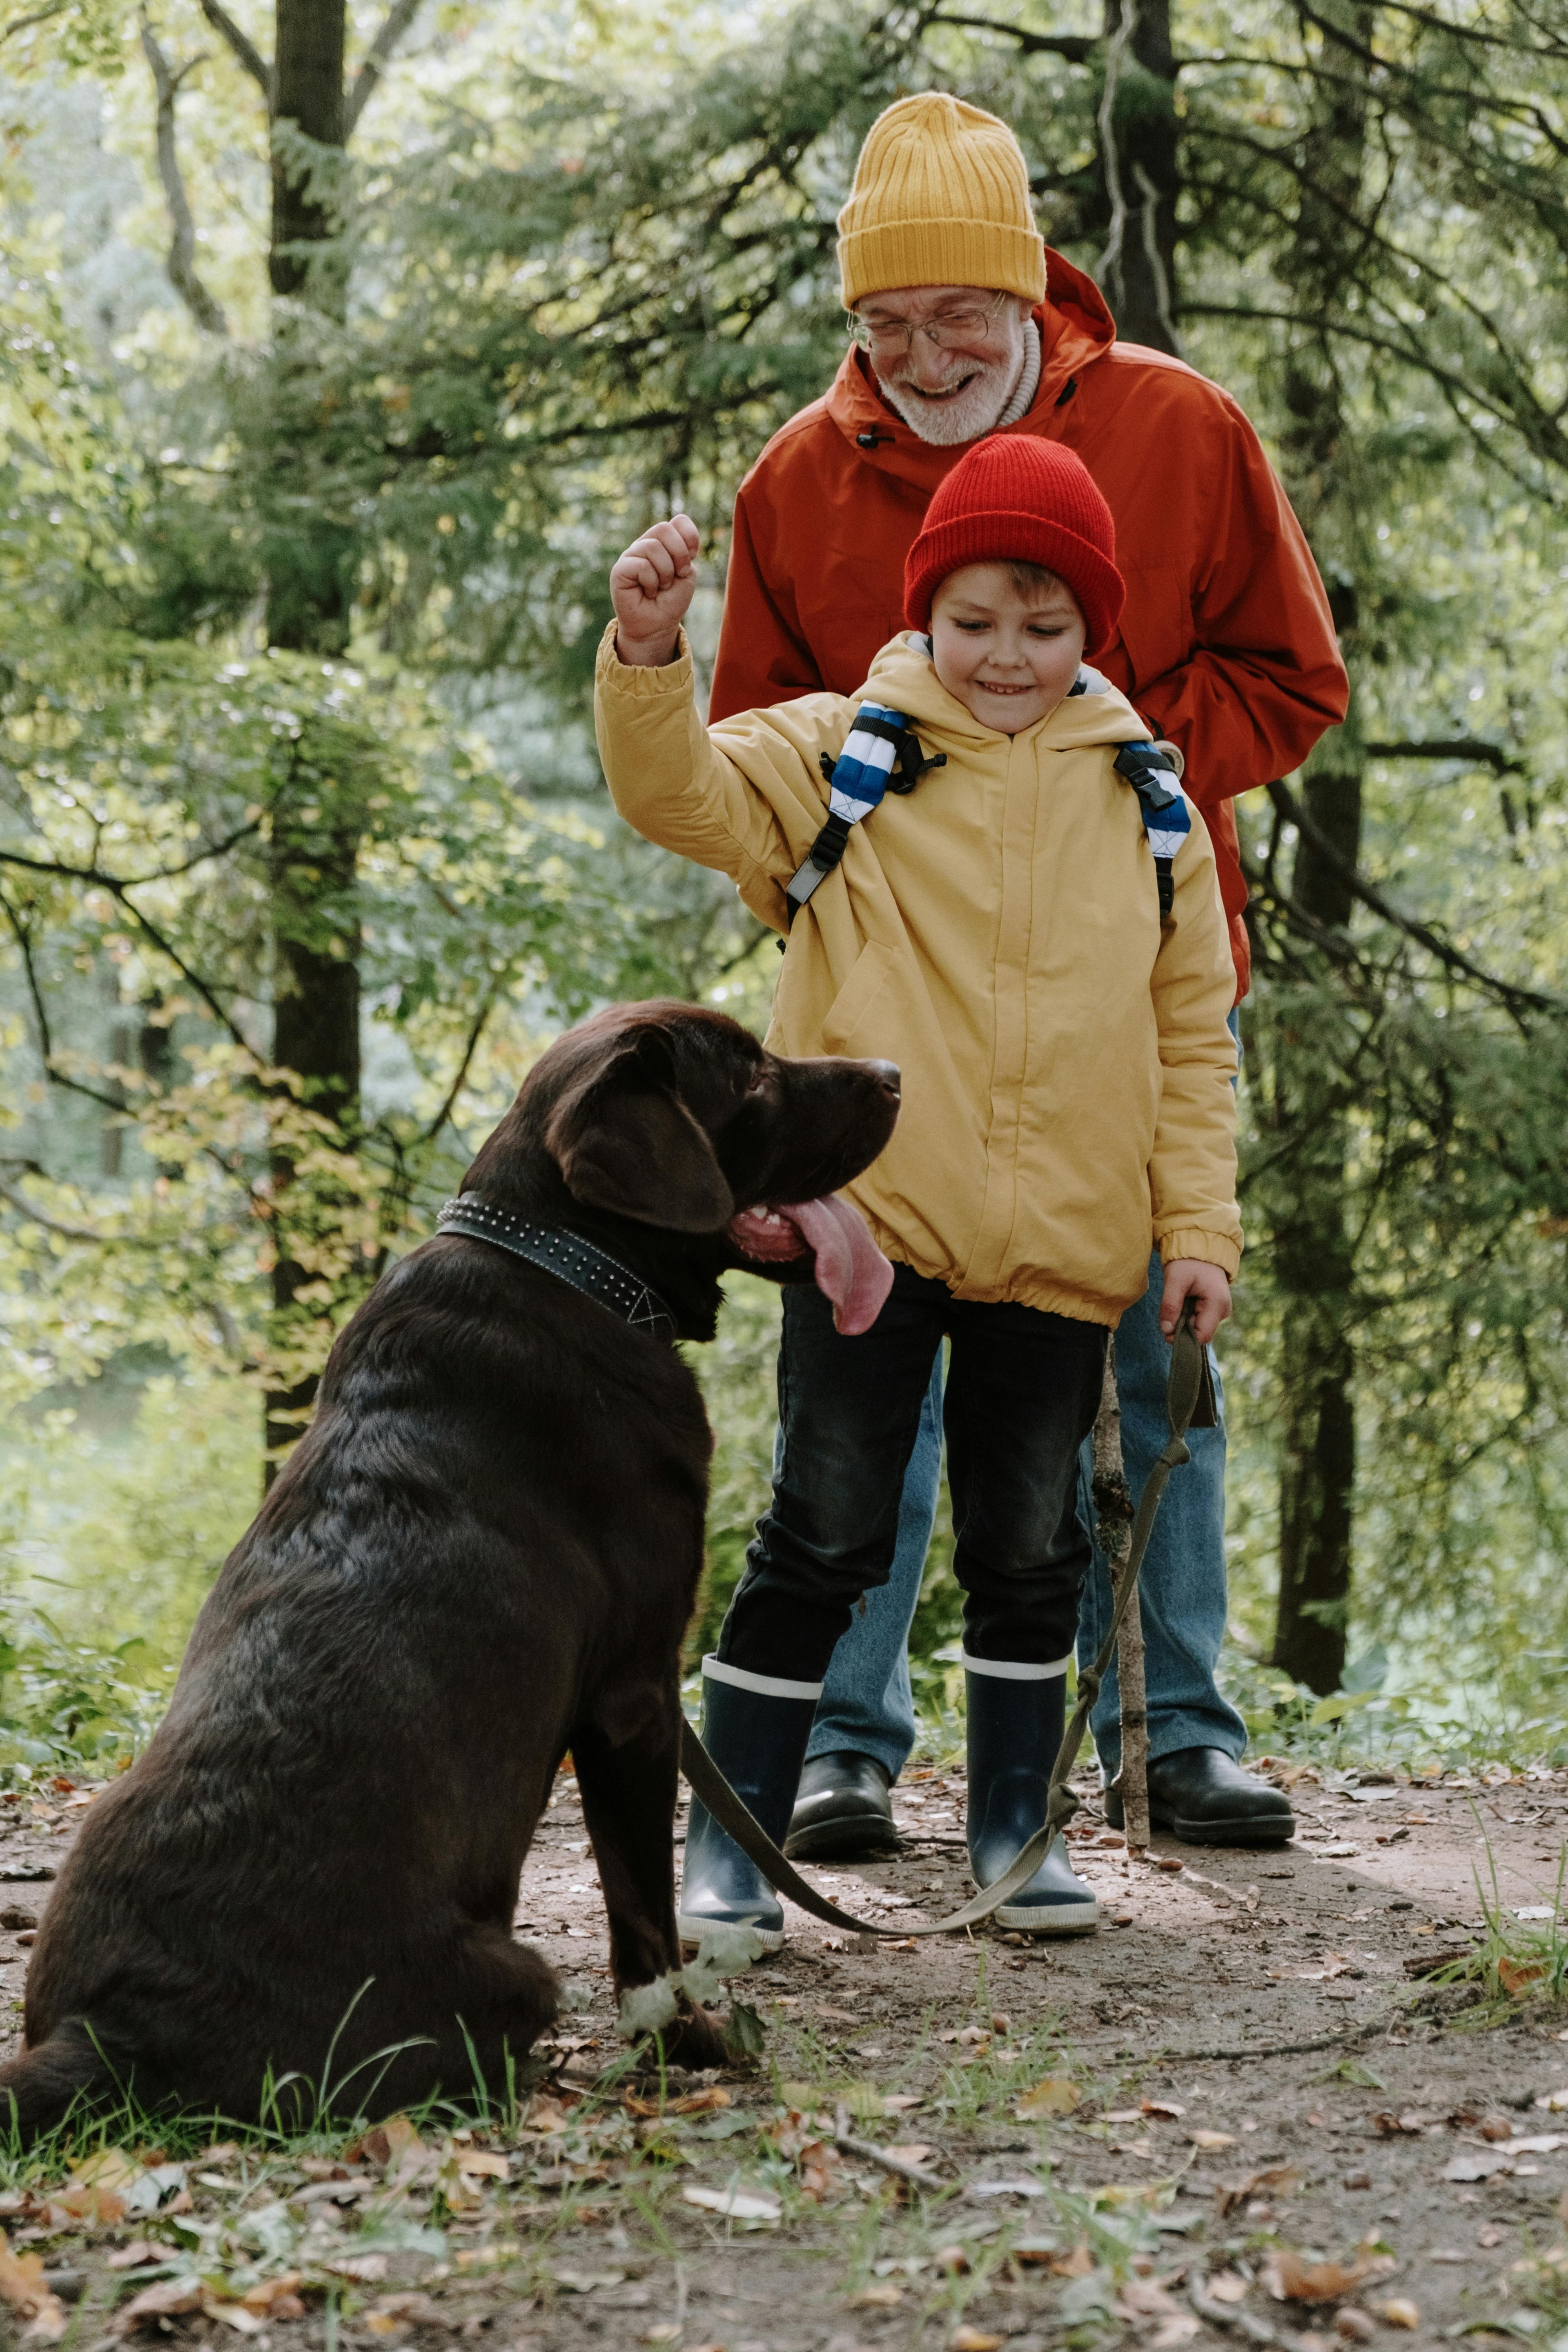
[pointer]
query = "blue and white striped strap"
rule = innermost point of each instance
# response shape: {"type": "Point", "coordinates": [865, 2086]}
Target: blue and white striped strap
{"type": "Point", "coordinates": [1167, 821]}
{"type": "Point", "coordinates": [858, 782]}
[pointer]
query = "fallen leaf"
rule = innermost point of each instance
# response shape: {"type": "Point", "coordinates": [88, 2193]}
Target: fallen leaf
{"type": "Point", "coordinates": [693, 2103]}
{"type": "Point", "coordinates": [1399, 2312]}
{"type": "Point", "coordinates": [1356, 2326]}
{"type": "Point", "coordinates": [1212, 2138]}
{"type": "Point", "coordinates": [131, 2257]}
{"type": "Point", "coordinates": [1490, 2236]}
{"type": "Point", "coordinates": [483, 2163]}
{"type": "Point", "coordinates": [1554, 2101]}
{"type": "Point", "coordinates": [910, 2151]}
{"type": "Point", "coordinates": [23, 2290]}
{"type": "Point", "coordinates": [111, 2167]}
{"type": "Point", "coordinates": [1477, 2164]}
{"type": "Point", "coordinates": [585, 2282]}
{"type": "Point", "coordinates": [1289, 2279]}
{"type": "Point", "coordinates": [884, 2296]}
{"type": "Point", "coordinates": [954, 2259]}
{"type": "Point", "coordinates": [546, 2113]}
{"type": "Point", "coordinates": [1227, 2286]}
{"type": "Point", "coordinates": [1166, 2109]}
{"type": "Point", "coordinates": [897, 2103]}
{"type": "Point", "coordinates": [233, 2314]}
{"type": "Point", "coordinates": [753, 2208]}
{"type": "Point", "coordinates": [365, 2270]}
{"type": "Point", "coordinates": [1055, 2095]}
{"type": "Point", "coordinates": [820, 2164]}
{"type": "Point", "coordinates": [165, 2299]}
{"type": "Point", "coordinates": [1517, 1976]}
{"type": "Point", "coordinates": [411, 2310]}
{"type": "Point", "coordinates": [277, 2298]}
{"type": "Point", "coordinates": [974, 2339]}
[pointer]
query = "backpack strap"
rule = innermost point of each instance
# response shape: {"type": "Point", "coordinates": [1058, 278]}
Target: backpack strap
{"type": "Point", "coordinates": [882, 753]}
{"type": "Point", "coordinates": [1152, 772]}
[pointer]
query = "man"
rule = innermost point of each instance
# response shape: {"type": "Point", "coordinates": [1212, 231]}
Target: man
{"type": "Point", "coordinates": [965, 324]}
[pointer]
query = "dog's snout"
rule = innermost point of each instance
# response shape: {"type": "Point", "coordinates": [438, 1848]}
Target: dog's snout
{"type": "Point", "coordinates": [889, 1074]}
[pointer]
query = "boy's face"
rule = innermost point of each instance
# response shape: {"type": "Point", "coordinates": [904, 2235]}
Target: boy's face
{"type": "Point", "coordinates": [1009, 655]}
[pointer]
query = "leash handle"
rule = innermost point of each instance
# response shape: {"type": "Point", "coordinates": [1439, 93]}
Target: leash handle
{"type": "Point", "coordinates": [1183, 1392]}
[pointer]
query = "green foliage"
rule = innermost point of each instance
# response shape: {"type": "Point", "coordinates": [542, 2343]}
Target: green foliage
{"type": "Point", "coordinates": [588, 271]}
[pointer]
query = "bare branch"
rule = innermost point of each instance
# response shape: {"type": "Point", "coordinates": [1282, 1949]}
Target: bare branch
{"type": "Point", "coordinates": [42, 16]}
{"type": "Point", "coordinates": [1474, 748]}
{"type": "Point", "coordinates": [181, 264]}
{"type": "Point", "coordinates": [399, 16]}
{"type": "Point", "coordinates": [1076, 48]}
{"type": "Point", "coordinates": [243, 46]}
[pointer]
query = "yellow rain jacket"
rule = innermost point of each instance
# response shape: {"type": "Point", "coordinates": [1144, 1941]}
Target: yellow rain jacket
{"type": "Point", "coordinates": [1066, 1067]}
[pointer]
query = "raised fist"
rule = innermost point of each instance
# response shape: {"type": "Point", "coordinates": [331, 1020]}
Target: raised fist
{"type": "Point", "coordinates": [651, 586]}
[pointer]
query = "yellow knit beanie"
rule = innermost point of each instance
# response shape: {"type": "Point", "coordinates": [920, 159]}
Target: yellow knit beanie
{"type": "Point", "coordinates": [941, 198]}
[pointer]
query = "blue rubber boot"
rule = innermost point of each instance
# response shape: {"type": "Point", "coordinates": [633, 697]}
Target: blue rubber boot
{"type": "Point", "coordinates": [1016, 1718]}
{"type": "Point", "coordinates": [755, 1728]}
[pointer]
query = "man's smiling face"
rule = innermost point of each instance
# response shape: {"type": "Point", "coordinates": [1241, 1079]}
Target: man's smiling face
{"type": "Point", "coordinates": [951, 391]}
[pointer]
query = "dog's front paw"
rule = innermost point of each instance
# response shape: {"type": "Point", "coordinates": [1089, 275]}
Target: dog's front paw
{"type": "Point", "coordinates": [694, 2038]}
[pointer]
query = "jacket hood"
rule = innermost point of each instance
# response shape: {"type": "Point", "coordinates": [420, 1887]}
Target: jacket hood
{"type": "Point", "coordinates": [903, 679]}
{"type": "Point", "coordinates": [1076, 329]}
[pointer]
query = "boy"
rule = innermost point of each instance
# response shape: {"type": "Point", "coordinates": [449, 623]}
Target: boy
{"type": "Point", "coordinates": [1036, 938]}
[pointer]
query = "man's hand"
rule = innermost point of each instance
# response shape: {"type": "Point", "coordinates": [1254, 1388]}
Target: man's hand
{"type": "Point", "coordinates": [1193, 1277]}
{"type": "Point", "coordinates": [651, 586]}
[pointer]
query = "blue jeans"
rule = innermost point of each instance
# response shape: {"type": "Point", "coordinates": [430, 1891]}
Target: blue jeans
{"type": "Point", "coordinates": [866, 1702]}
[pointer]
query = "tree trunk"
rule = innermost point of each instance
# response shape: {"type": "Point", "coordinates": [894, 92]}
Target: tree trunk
{"type": "Point", "coordinates": [315, 828]}
{"type": "Point", "coordinates": [1137, 270]}
{"type": "Point", "coordinates": [1314, 1253]}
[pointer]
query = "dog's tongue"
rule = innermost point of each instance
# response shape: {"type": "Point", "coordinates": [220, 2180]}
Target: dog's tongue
{"type": "Point", "coordinates": [850, 1269]}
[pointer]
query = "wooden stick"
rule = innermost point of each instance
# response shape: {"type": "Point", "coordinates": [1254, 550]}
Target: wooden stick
{"type": "Point", "coordinates": [1113, 1508]}
{"type": "Point", "coordinates": [915, 2173]}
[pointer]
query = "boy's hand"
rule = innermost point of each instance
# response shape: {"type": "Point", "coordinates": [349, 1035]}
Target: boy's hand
{"type": "Point", "coordinates": [651, 586]}
{"type": "Point", "coordinates": [1193, 1277]}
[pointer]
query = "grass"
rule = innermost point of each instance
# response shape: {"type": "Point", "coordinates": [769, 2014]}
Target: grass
{"type": "Point", "coordinates": [1516, 1960]}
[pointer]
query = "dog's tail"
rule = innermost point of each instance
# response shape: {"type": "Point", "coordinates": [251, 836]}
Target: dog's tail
{"type": "Point", "coordinates": [40, 2089]}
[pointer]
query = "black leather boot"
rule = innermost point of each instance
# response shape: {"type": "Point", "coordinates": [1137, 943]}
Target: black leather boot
{"type": "Point", "coordinates": [755, 1729]}
{"type": "Point", "coordinates": [1205, 1799]}
{"type": "Point", "coordinates": [1016, 1721]}
{"type": "Point", "coordinates": [844, 1811]}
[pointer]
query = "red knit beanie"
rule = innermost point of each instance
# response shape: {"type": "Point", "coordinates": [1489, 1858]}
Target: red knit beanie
{"type": "Point", "coordinates": [1015, 498]}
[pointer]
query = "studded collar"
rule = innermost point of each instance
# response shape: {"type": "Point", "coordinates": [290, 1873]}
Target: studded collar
{"type": "Point", "coordinates": [566, 1255]}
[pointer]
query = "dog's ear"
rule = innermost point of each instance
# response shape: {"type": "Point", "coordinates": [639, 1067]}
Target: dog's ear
{"type": "Point", "coordinates": [623, 1140]}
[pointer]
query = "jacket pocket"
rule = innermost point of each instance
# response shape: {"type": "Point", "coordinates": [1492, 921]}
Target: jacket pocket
{"type": "Point", "coordinates": [853, 1001]}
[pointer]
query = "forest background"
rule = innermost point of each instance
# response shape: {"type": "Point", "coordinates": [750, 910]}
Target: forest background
{"type": "Point", "coordinates": [339, 350]}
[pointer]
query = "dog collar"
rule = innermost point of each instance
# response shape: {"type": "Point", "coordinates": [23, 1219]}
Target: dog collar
{"type": "Point", "coordinates": [566, 1255]}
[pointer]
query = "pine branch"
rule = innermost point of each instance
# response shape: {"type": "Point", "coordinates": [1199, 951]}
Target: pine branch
{"type": "Point", "coordinates": [399, 16]}
{"type": "Point", "coordinates": [181, 262]}
{"type": "Point", "coordinates": [243, 46]}
{"type": "Point", "coordinates": [1517, 1000]}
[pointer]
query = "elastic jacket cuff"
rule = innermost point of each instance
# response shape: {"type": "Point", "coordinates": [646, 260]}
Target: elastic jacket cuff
{"type": "Point", "coordinates": [1193, 1241]}
{"type": "Point", "coordinates": [614, 676]}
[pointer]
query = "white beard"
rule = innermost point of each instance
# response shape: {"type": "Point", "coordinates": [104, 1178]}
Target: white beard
{"type": "Point", "coordinates": [968, 415]}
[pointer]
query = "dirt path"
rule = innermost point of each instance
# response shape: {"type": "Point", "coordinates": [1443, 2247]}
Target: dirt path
{"type": "Point", "coordinates": [1246, 2071]}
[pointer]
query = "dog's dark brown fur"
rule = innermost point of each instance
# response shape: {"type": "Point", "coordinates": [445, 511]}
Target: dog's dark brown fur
{"type": "Point", "coordinates": [484, 1552]}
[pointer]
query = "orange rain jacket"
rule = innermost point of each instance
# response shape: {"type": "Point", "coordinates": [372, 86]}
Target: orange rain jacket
{"type": "Point", "coordinates": [1226, 644]}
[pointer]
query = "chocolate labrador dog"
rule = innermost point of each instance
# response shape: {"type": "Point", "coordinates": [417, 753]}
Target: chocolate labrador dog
{"type": "Point", "coordinates": [483, 1553]}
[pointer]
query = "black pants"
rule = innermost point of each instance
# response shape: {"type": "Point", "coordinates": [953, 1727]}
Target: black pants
{"type": "Point", "coordinates": [1023, 1391]}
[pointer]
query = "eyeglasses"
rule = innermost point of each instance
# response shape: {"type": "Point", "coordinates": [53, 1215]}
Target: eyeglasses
{"type": "Point", "coordinates": [951, 331]}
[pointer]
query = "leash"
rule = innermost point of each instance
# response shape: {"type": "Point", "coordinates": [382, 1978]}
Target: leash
{"type": "Point", "coordinates": [1187, 1391]}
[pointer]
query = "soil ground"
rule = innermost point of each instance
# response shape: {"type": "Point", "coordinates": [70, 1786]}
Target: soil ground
{"type": "Point", "coordinates": [1245, 2065]}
